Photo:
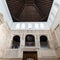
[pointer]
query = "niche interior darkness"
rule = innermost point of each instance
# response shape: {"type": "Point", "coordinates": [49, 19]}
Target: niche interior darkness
{"type": "Point", "coordinates": [30, 40]}
{"type": "Point", "coordinates": [29, 10]}
{"type": "Point", "coordinates": [16, 41]}
{"type": "Point", "coordinates": [44, 41]}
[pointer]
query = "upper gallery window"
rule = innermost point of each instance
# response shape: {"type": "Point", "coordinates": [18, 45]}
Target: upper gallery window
{"type": "Point", "coordinates": [29, 10]}
{"type": "Point", "coordinates": [29, 40]}
{"type": "Point", "coordinates": [44, 41]}
{"type": "Point", "coordinates": [16, 42]}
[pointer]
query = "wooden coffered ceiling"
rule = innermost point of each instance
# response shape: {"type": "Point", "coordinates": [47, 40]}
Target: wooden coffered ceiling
{"type": "Point", "coordinates": [29, 10]}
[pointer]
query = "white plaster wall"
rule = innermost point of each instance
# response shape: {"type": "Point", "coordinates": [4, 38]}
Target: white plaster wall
{"type": "Point", "coordinates": [6, 38]}
{"type": "Point", "coordinates": [58, 52]}
{"type": "Point", "coordinates": [57, 33]}
{"type": "Point", "coordinates": [18, 53]}
{"type": "Point", "coordinates": [3, 38]}
{"type": "Point", "coordinates": [3, 35]}
{"type": "Point", "coordinates": [54, 40]}
{"type": "Point", "coordinates": [11, 59]}
{"type": "Point", "coordinates": [56, 20]}
{"type": "Point", "coordinates": [38, 59]}
{"type": "Point", "coordinates": [36, 33]}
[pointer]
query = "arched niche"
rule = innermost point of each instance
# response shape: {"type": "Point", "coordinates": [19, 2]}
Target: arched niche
{"type": "Point", "coordinates": [29, 40]}
{"type": "Point", "coordinates": [16, 41]}
{"type": "Point", "coordinates": [44, 41]}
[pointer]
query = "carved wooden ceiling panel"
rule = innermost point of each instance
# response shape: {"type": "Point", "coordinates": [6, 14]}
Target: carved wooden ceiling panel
{"type": "Point", "coordinates": [29, 10]}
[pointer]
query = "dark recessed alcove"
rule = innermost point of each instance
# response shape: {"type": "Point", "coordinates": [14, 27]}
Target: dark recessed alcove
{"type": "Point", "coordinates": [16, 42]}
{"type": "Point", "coordinates": [44, 41]}
{"type": "Point", "coordinates": [29, 10]}
{"type": "Point", "coordinates": [29, 40]}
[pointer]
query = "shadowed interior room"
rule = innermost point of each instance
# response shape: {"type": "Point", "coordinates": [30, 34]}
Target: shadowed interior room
{"type": "Point", "coordinates": [29, 10]}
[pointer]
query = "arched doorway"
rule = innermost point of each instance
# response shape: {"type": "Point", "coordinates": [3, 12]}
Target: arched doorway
{"type": "Point", "coordinates": [44, 41]}
{"type": "Point", "coordinates": [16, 41]}
{"type": "Point", "coordinates": [29, 40]}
